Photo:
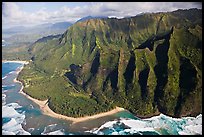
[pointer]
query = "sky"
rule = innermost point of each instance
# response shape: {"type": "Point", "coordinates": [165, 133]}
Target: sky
{"type": "Point", "coordinates": [35, 13]}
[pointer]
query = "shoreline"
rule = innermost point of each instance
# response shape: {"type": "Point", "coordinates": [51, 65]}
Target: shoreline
{"type": "Point", "coordinates": [15, 61]}
{"type": "Point", "coordinates": [47, 111]}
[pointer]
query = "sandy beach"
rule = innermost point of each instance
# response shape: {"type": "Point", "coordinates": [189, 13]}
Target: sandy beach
{"type": "Point", "coordinates": [15, 61]}
{"type": "Point", "coordinates": [47, 111]}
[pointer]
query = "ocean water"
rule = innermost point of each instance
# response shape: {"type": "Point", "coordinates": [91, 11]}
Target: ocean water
{"type": "Point", "coordinates": [158, 125]}
{"type": "Point", "coordinates": [21, 116]}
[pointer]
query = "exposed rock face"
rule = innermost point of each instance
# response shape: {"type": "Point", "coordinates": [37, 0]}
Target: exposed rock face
{"type": "Point", "coordinates": [145, 64]}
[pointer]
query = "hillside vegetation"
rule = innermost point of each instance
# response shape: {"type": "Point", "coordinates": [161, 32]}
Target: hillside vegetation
{"type": "Point", "coordinates": [147, 64]}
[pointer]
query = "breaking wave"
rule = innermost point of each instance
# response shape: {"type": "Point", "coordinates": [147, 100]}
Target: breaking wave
{"type": "Point", "coordinates": [7, 87]}
{"type": "Point", "coordinates": [51, 130]}
{"type": "Point", "coordinates": [12, 120]}
{"type": "Point", "coordinates": [57, 132]}
{"type": "Point", "coordinates": [157, 125]}
{"type": "Point", "coordinates": [4, 77]}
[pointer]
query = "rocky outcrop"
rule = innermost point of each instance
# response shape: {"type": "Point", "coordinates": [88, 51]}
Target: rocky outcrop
{"type": "Point", "coordinates": [144, 63]}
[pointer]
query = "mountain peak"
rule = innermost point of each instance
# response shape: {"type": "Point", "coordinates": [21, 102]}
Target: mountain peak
{"type": "Point", "coordinates": [90, 17]}
{"type": "Point", "coordinates": [146, 64]}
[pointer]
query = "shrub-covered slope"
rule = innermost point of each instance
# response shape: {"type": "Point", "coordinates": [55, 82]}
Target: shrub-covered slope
{"type": "Point", "coordinates": [147, 64]}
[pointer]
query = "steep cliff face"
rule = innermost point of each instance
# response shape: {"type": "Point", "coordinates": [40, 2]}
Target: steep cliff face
{"type": "Point", "coordinates": [146, 64]}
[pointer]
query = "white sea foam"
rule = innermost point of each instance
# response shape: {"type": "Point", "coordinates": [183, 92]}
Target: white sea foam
{"type": "Point", "coordinates": [8, 87]}
{"type": "Point", "coordinates": [3, 99]}
{"type": "Point", "coordinates": [14, 125]}
{"type": "Point", "coordinates": [4, 86]}
{"type": "Point", "coordinates": [52, 130]}
{"type": "Point", "coordinates": [115, 133]}
{"type": "Point", "coordinates": [181, 126]}
{"type": "Point", "coordinates": [3, 91]}
{"type": "Point", "coordinates": [31, 129]}
{"type": "Point", "coordinates": [31, 106]}
{"type": "Point", "coordinates": [9, 110]}
{"type": "Point", "coordinates": [3, 96]}
{"type": "Point", "coordinates": [193, 126]}
{"type": "Point", "coordinates": [11, 72]}
{"type": "Point", "coordinates": [57, 132]}
{"type": "Point", "coordinates": [7, 133]}
{"type": "Point", "coordinates": [13, 128]}
{"type": "Point", "coordinates": [4, 77]}
{"type": "Point", "coordinates": [106, 125]}
{"type": "Point", "coordinates": [48, 129]}
{"type": "Point", "coordinates": [13, 105]}
{"type": "Point", "coordinates": [137, 126]}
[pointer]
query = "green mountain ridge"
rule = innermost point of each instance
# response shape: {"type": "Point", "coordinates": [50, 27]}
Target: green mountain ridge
{"type": "Point", "coordinates": [147, 64]}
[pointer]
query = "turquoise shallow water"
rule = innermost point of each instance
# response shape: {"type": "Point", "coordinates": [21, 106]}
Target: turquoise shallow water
{"type": "Point", "coordinates": [22, 116]}
{"type": "Point", "coordinates": [34, 122]}
{"type": "Point", "coordinates": [125, 114]}
{"type": "Point", "coordinates": [9, 67]}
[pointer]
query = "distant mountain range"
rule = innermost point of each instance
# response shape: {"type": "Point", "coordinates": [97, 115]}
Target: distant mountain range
{"type": "Point", "coordinates": [44, 28]}
{"type": "Point", "coordinates": [20, 34]}
{"type": "Point", "coordinates": [37, 29]}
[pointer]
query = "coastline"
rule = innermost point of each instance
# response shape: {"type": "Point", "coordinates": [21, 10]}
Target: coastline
{"type": "Point", "coordinates": [47, 111]}
{"type": "Point", "coordinates": [15, 61]}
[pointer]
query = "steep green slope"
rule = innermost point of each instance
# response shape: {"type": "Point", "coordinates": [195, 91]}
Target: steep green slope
{"type": "Point", "coordinates": [147, 64]}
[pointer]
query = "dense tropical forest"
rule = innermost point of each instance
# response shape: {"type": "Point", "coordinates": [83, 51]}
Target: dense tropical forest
{"type": "Point", "coordinates": [146, 64]}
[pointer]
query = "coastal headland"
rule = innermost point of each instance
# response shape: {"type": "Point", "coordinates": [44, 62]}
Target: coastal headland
{"type": "Point", "coordinates": [47, 111]}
